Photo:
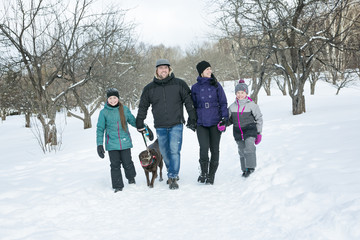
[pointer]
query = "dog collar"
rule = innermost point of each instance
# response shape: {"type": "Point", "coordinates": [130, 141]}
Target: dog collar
{"type": "Point", "coordinates": [153, 158]}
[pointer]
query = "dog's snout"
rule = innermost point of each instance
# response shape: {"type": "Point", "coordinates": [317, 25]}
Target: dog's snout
{"type": "Point", "coordinates": [145, 157]}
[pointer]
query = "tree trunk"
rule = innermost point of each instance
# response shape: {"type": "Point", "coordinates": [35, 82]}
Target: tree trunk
{"type": "Point", "coordinates": [267, 90]}
{"type": "Point", "coordinates": [49, 131]}
{"type": "Point", "coordinates": [87, 120]}
{"type": "Point", "coordinates": [52, 134]}
{"type": "Point", "coordinates": [84, 110]}
{"type": "Point", "coordinates": [267, 86]}
{"type": "Point", "coordinates": [254, 83]}
{"type": "Point", "coordinates": [338, 90]}
{"type": "Point", "coordinates": [27, 119]}
{"type": "Point", "coordinates": [254, 95]}
{"type": "Point", "coordinates": [298, 104]}
{"type": "Point", "coordinates": [3, 115]}
{"type": "Point", "coordinates": [312, 88]}
{"type": "Point", "coordinates": [282, 86]}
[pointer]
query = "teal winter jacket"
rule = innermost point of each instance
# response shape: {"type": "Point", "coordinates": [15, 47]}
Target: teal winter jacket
{"type": "Point", "coordinates": [116, 138]}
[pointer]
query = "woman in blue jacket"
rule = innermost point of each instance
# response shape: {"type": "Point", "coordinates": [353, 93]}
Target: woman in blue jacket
{"type": "Point", "coordinates": [211, 107]}
{"type": "Point", "coordinates": [113, 121]}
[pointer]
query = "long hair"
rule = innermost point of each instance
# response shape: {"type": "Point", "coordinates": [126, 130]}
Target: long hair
{"type": "Point", "coordinates": [122, 116]}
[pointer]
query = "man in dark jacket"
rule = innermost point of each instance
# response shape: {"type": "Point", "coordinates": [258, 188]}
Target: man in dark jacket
{"type": "Point", "coordinates": [167, 95]}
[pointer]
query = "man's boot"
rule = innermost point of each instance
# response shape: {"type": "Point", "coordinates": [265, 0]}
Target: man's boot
{"type": "Point", "coordinates": [173, 184]}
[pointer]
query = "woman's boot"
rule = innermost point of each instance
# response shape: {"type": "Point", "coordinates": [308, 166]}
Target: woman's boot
{"type": "Point", "coordinates": [204, 172]}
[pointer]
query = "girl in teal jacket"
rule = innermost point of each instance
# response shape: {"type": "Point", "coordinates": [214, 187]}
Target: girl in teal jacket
{"type": "Point", "coordinates": [113, 122]}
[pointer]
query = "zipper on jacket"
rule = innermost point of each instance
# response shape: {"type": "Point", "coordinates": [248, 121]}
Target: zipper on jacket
{"type": "Point", "coordinates": [167, 118]}
{"type": "Point", "coordinates": [238, 117]}
{"type": "Point", "coordinates": [119, 135]}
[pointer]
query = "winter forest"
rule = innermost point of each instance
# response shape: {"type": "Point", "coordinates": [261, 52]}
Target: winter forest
{"type": "Point", "coordinates": [301, 62]}
{"type": "Point", "coordinates": [61, 56]}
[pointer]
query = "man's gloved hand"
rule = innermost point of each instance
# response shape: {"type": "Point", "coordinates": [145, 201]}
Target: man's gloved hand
{"type": "Point", "coordinates": [147, 132]}
{"type": "Point", "coordinates": [101, 151]}
{"type": "Point", "coordinates": [191, 124]}
{"type": "Point", "coordinates": [139, 124]}
{"type": "Point", "coordinates": [258, 139]}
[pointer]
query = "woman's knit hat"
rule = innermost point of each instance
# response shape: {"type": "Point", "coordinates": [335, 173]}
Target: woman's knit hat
{"type": "Point", "coordinates": [112, 92]}
{"type": "Point", "coordinates": [201, 66]}
{"type": "Point", "coordinates": [241, 86]}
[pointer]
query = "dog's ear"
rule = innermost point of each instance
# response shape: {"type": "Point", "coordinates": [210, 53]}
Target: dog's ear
{"type": "Point", "coordinates": [154, 153]}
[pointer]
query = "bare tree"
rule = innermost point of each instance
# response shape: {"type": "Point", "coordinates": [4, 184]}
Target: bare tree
{"type": "Point", "coordinates": [315, 75]}
{"type": "Point", "coordinates": [245, 26]}
{"type": "Point", "coordinates": [292, 35]}
{"type": "Point", "coordinates": [10, 95]}
{"type": "Point", "coordinates": [281, 83]}
{"type": "Point", "coordinates": [303, 41]}
{"type": "Point", "coordinates": [107, 52]}
{"type": "Point", "coordinates": [39, 37]}
{"type": "Point", "coordinates": [341, 61]}
{"type": "Point", "coordinates": [346, 78]}
{"type": "Point", "coordinates": [15, 96]}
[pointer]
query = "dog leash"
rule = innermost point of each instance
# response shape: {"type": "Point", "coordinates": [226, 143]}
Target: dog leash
{"type": "Point", "coordinates": [146, 132]}
{"type": "Point", "coordinates": [147, 148]}
{"type": "Point", "coordinates": [143, 134]}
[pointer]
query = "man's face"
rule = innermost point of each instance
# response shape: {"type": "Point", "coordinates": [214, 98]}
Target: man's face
{"type": "Point", "coordinates": [163, 71]}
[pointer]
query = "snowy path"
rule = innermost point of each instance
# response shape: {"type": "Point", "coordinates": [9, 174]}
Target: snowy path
{"type": "Point", "coordinates": [306, 185]}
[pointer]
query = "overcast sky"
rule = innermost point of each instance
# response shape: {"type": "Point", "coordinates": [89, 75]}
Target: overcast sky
{"type": "Point", "coordinates": [169, 22]}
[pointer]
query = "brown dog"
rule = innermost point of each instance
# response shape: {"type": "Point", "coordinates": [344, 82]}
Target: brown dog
{"type": "Point", "coordinates": [150, 159]}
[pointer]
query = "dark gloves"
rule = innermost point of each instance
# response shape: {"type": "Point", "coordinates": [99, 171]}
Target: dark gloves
{"type": "Point", "coordinates": [191, 124]}
{"type": "Point", "coordinates": [213, 80]}
{"type": "Point", "coordinates": [100, 151]}
{"type": "Point", "coordinates": [258, 139]}
{"type": "Point", "coordinates": [139, 123]}
{"type": "Point", "coordinates": [222, 125]}
{"type": "Point", "coordinates": [147, 132]}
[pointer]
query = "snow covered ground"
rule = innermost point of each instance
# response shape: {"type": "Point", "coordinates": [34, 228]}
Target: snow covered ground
{"type": "Point", "coordinates": [306, 186]}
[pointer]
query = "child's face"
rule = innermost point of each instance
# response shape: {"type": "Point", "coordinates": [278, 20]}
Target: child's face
{"type": "Point", "coordinates": [113, 100]}
{"type": "Point", "coordinates": [240, 95]}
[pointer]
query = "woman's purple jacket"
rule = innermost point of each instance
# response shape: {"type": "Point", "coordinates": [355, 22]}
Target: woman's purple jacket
{"type": "Point", "coordinates": [209, 101]}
